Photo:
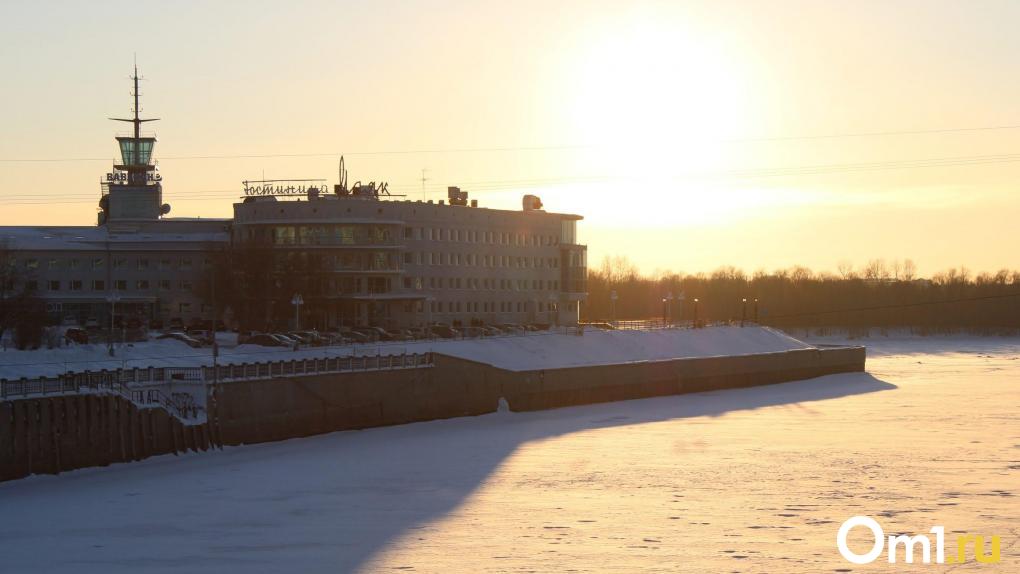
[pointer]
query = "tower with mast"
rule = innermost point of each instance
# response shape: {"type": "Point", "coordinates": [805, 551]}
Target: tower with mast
{"type": "Point", "coordinates": [133, 191]}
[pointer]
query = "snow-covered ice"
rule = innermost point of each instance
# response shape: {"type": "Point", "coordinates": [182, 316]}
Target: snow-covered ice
{"type": "Point", "coordinates": [538, 350]}
{"type": "Point", "coordinates": [749, 480]}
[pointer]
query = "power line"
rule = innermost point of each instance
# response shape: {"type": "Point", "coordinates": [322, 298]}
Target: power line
{"type": "Point", "coordinates": [509, 185]}
{"type": "Point", "coordinates": [561, 147]}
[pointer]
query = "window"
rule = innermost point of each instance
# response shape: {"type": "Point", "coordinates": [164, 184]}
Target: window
{"type": "Point", "coordinates": [75, 285]}
{"type": "Point", "coordinates": [119, 263]}
{"type": "Point", "coordinates": [98, 285]}
{"type": "Point", "coordinates": [165, 264]}
{"type": "Point", "coordinates": [53, 264]}
{"type": "Point", "coordinates": [185, 263]}
{"type": "Point", "coordinates": [31, 285]}
{"type": "Point", "coordinates": [31, 264]}
{"type": "Point", "coordinates": [184, 307]}
{"type": "Point", "coordinates": [98, 262]}
{"type": "Point", "coordinates": [143, 264]}
{"type": "Point", "coordinates": [164, 284]}
{"type": "Point", "coordinates": [120, 285]}
{"type": "Point", "coordinates": [53, 286]}
{"type": "Point", "coordinates": [73, 263]}
{"type": "Point", "coordinates": [142, 284]}
{"type": "Point", "coordinates": [185, 285]}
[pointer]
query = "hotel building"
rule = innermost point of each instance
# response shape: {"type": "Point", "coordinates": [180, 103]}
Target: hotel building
{"type": "Point", "coordinates": [349, 256]}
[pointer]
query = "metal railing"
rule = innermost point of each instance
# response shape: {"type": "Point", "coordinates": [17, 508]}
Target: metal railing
{"type": "Point", "coordinates": [128, 382]}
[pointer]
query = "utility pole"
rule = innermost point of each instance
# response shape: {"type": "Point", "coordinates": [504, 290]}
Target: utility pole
{"type": "Point", "coordinates": [215, 345]}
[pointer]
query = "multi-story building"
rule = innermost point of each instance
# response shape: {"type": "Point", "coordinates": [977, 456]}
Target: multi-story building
{"type": "Point", "coordinates": [363, 260]}
{"type": "Point", "coordinates": [299, 254]}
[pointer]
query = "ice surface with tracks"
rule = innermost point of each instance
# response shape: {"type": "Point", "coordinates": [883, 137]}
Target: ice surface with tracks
{"type": "Point", "coordinates": [750, 480]}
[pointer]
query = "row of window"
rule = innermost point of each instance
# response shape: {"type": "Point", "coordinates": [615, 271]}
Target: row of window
{"type": "Point", "coordinates": [469, 259]}
{"type": "Point", "coordinates": [117, 285]}
{"type": "Point", "coordinates": [418, 283]}
{"type": "Point", "coordinates": [96, 263]}
{"type": "Point", "coordinates": [58, 307]}
{"type": "Point", "coordinates": [508, 238]}
{"type": "Point", "coordinates": [486, 307]}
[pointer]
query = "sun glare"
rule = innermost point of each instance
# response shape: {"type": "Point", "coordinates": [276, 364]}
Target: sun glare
{"type": "Point", "coordinates": [657, 102]}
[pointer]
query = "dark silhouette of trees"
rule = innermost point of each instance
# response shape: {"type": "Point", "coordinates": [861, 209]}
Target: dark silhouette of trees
{"type": "Point", "coordinates": [881, 294]}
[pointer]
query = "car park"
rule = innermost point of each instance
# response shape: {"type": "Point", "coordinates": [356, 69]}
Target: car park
{"type": "Point", "coordinates": [182, 337]}
{"type": "Point", "coordinates": [76, 335]}
{"type": "Point", "coordinates": [444, 331]}
{"type": "Point", "coordinates": [264, 340]}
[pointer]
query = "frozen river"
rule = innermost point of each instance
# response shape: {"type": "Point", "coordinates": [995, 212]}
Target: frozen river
{"type": "Point", "coordinates": [753, 480]}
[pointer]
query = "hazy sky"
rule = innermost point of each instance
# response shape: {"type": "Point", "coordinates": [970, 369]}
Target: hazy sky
{"type": "Point", "coordinates": [677, 129]}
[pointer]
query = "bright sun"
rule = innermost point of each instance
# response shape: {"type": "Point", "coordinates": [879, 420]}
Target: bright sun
{"type": "Point", "coordinates": [658, 101]}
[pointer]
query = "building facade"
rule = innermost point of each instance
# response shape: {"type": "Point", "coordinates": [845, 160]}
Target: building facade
{"type": "Point", "coordinates": [298, 255]}
{"type": "Point", "coordinates": [369, 261]}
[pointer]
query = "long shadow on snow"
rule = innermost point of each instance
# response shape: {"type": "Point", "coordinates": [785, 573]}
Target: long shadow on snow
{"type": "Point", "coordinates": [320, 504]}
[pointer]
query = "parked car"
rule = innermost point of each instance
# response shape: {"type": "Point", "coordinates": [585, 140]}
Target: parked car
{"type": "Point", "coordinates": [419, 333]}
{"type": "Point", "coordinates": [76, 335]}
{"type": "Point", "coordinates": [491, 331]}
{"type": "Point", "coordinates": [264, 340]}
{"type": "Point", "coordinates": [371, 333]}
{"type": "Point", "coordinates": [444, 331]}
{"type": "Point", "coordinates": [399, 335]}
{"type": "Point", "coordinates": [182, 337]}
{"type": "Point", "coordinates": [206, 337]}
{"type": "Point", "coordinates": [472, 332]}
{"type": "Point", "coordinates": [354, 336]}
{"type": "Point", "coordinates": [511, 328]}
{"type": "Point", "coordinates": [286, 340]}
{"type": "Point", "coordinates": [91, 323]}
{"type": "Point", "coordinates": [314, 338]}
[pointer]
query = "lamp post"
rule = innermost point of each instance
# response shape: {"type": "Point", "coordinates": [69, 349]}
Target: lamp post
{"type": "Point", "coordinates": [668, 300]}
{"type": "Point", "coordinates": [695, 312]}
{"type": "Point", "coordinates": [112, 298]}
{"type": "Point", "coordinates": [755, 310]}
{"type": "Point", "coordinates": [612, 301]}
{"type": "Point", "coordinates": [680, 298]}
{"type": "Point", "coordinates": [743, 314]}
{"type": "Point", "coordinates": [297, 302]}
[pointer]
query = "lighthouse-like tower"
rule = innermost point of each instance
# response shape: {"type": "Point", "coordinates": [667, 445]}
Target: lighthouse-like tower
{"type": "Point", "coordinates": [133, 191]}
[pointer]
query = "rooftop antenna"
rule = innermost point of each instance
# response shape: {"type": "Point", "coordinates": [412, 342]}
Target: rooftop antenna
{"type": "Point", "coordinates": [136, 120]}
{"type": "Point", "coordinates": [423, 180]}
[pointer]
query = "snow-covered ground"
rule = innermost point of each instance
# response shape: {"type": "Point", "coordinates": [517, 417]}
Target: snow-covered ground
{"type": "Point", "coordinates": [538, 350]}
{"type": "Point", "coordinates": [750, 480]}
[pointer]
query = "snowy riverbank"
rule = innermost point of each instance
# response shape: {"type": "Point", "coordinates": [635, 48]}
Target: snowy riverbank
{"type": "Point", "coordinates": [536, 350]}
{"type": "Point", "coordinates": [744, 480]}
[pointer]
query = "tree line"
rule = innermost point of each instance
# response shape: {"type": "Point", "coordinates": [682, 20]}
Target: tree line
{"type": "Point", "coordinates": [884, 294]}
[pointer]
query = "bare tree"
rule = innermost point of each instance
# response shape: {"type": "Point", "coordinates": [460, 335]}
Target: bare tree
{"type": "Point", "coordinates": [846, 270]}
{"type": "Point", "coordinates": [9, 280]}
{"type": "Point", "coordinates": [909, 270]}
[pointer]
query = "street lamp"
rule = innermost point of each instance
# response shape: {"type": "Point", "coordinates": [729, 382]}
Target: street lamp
{"type": "Point", "coordinates": [695, 312]}
{"type": "Point", "coordinates": [743, 314]}
{"type": "Point", "coordinates": [112, 298]}
{"type": "Point", "coordinates": [297, 302]}
{"type": "Point", "coordinates": [612, 300]}
{"type": "Point", "coordinates": [668, 300]}
{"type": "Point", "coordinates": [755, 310]}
